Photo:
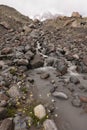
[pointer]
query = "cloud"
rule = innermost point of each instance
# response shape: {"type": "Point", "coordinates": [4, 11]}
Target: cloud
{"type": "Point", "coordinates": [33, 7]}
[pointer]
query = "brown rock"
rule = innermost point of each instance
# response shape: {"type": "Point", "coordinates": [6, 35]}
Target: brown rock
{"type": "Point", "coordinates": [6, 50]}
{"type": "Point", "coordinates": [83, 99]}
{"type": "Point", "coordinates": [7, 124]}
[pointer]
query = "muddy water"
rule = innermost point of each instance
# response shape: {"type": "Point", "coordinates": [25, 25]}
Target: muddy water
{"type": "Point", "coordinates": [67, 117]}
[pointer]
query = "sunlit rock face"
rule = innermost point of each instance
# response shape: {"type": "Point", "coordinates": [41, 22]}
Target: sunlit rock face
{"type": "Point", "coordinates": [46, 8]}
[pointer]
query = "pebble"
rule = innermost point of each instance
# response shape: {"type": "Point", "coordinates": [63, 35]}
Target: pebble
{"type": "Point", "coordinates": [44, 76]}
{"type": "Point", "coordinates": [60, 95]}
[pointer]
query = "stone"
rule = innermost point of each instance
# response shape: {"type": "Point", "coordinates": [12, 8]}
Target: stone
{"type": "Point", "coordinates": [3, 113]}
{"type": "Point", "coordinates": [6, 50]}
{"type": "Point", "coordinates": [22, 62]}
{"type": "Point", "coordinates": [61, 66]}
{"type": "Point", "coordinates": [76, 15]}
{"type": "Point", "coordinates": [75, 56]}
{"type": "Point", "coordinates": [20, 123]}
{"type": "Point", "coordinates": [50, 61]}
{"type": "Point", "coordinates": [44, 76]}
{"type": "Point", "coordinates": [7, 124]}
{"type": "Point", "coordinates": [74, 79]}
{"type": "Point", "coordinates": [29, 55]}
{"type": "Point", "coordinates": [18, 55]}
{"type": "Point", "coordinates": [83, 99]}
{"type": "Point", "coordinates": [37, 62]}
{"type": "Point", "coordinates": [14, 92]}
{"type": "Point", "coordinates": [76, 102]}
{"type": "Point", "coordinates": [81, 67]}
{"type": "Point", "coordinates": [60, 95]}
{"type": "Point", "coordinates": [49, 125]}
{"type": "Point", "coordinates": [40, 111]}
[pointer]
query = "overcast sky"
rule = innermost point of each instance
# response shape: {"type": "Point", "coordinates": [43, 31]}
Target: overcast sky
{"type": "Point", "coordinates": [33, 7]}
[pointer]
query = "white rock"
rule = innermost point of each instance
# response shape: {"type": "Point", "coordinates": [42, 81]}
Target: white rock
{"type": "Point", "coordinates": [49, 125]}
{"type": "Point", "coordinates": [40, 111]}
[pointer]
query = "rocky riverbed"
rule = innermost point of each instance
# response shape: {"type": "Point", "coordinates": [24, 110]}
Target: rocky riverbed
{"type": "Point", "coordinates": [43, 72]}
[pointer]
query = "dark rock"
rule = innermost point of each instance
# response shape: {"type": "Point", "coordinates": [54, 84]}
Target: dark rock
{"type": "Point", "coordinates": [7, 124]}
{"type": "Point", "coordinates": [3, 113]}
{"type": "Point", "coordinates": [37, 62]}
{"type": "Point", "coordinates": [76, 102]}
{"type": "Point", "coordinates": [81, 67]}
{"type": "Point", "coordinates": [61, 66]}
{"type": "Point", "coordinates": [74, 79]}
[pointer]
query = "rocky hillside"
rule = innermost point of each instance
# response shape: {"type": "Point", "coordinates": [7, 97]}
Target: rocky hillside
{"type": "Point", "coordinates": [12, 17]}
{"type": "Point", "coordinates": [43, 72]}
